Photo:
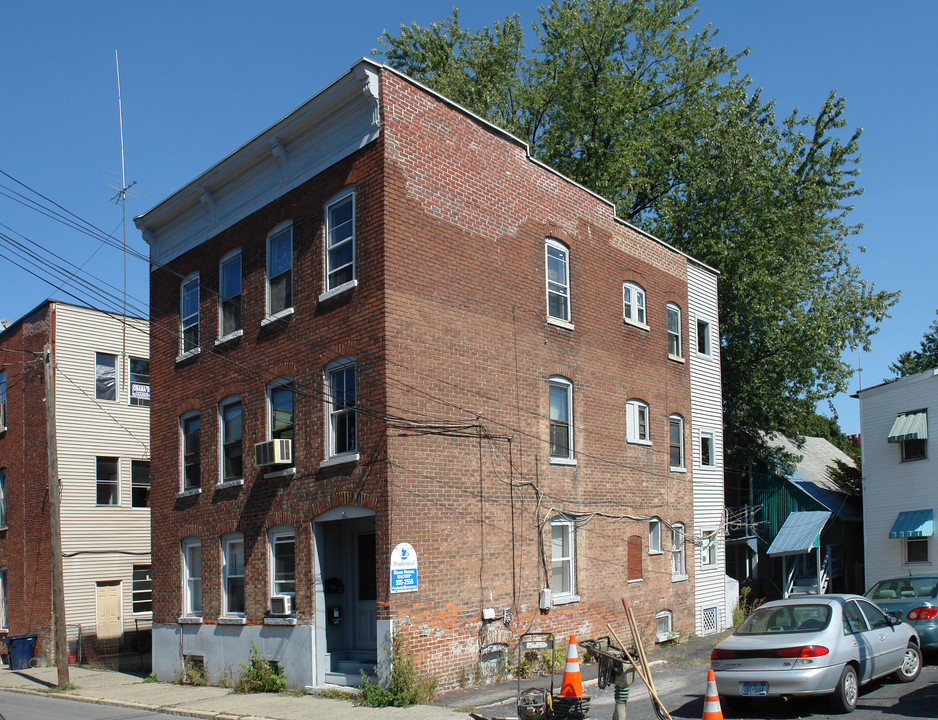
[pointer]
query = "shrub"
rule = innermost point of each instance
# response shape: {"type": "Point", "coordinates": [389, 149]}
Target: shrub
{"type": "Point", "coordinates": [399, 685]}
{"type": "Point", "coordinates": [260, 674]}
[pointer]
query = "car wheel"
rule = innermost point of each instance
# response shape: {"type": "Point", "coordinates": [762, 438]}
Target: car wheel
{"type": "Point", "coordinates": [911, 664]}
{"type": "Point", "coordinates": [844, 699]}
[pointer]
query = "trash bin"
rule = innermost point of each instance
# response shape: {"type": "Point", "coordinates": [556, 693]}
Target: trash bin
{"type": "Point", "coordinates": [21, 650]}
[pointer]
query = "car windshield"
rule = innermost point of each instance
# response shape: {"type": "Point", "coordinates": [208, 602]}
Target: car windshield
{"type": "Point", "coordinates": [907, 587]}
{"type": "Point", "coordinates": [786, 619]}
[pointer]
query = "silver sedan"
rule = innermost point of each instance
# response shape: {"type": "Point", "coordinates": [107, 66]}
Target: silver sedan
{"type": "Point", "coordinates": [814, 645]}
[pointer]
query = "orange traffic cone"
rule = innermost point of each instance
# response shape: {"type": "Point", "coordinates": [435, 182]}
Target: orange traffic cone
{"type": "Point", "coordinates": [712, 709]}
{"type": "Point", "coordinates": [572, 685]}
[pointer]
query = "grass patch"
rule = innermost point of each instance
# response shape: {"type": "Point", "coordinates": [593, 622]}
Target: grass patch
{"type": "Point", "coordinates": [151, 678]}
{"type": "Point", "coordinates": [59, 688]}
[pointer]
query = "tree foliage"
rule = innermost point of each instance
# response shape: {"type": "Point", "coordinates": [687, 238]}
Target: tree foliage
{"type": "Point", "coordinates": [623, 97]}
{"type": "Point", "coordinates": [916, 361]}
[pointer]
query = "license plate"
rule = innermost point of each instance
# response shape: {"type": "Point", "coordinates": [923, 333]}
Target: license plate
{"type": "Point", "coordinates": [753, 688]}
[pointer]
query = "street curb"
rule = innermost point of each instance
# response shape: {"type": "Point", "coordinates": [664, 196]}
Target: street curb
{"type": "Point", "coordinates": [207, 715]}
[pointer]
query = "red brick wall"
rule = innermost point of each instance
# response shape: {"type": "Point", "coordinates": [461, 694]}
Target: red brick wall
{"type": "Point", "coordinates": [313, 337]}
{"type": "Point", "coordinates": [448, 326]}
{"type": "Point", "coordinates": [25, 544]}
{"type": "Point", "coordinates": [468, 215]}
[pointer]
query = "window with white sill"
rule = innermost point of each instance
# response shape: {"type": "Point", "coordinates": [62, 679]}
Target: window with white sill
{"type": "Point", "coordinates": [229, 294]}
{"type": "Point", "coordinates": [341, 403]}
{"type": "Point", "coordinates": [232, 573]}
{"type": "Point", "coordinates": [280, 270]}
{"type": "Point", "coordinates": [636, 422]}
{"type": "Point", "coordinates": [229, 412]}
{"type": "Point", "coordinates": [189, 314]}
{"type": "Point", "coordinates": [557, 261]}
{"type": "Point", "coordinates": [340, 241]}
{"type": "Point", "coordinates": [633, 303]}
{"type": "Point", "coordinates": [192, 577]}
{"type": "Point", "coordinates": [561, 419]}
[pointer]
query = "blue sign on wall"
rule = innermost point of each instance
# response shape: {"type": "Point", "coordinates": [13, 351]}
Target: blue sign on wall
{"type": "Point", "coordinates": [403, 569]}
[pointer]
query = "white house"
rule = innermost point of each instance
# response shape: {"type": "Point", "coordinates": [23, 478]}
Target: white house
{"type": "Point", "coordinates": [900, 493]}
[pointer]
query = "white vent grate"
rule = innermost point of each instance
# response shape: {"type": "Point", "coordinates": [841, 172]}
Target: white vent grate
{"type": "Point", "coordinates": [710, 619]}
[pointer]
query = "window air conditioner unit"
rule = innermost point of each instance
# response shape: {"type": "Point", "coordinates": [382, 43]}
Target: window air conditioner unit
{"type": "Point", "coordinates": [281, 605]}
{"type": "Point", "coordinates": [273, 452]}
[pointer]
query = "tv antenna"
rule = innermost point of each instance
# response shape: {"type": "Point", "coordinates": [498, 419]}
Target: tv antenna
{"type": "Point", "coordinates": [121, 197]}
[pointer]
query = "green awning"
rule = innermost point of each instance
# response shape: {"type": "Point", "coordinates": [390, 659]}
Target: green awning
{"type": "Point", "coordinates": [910, 426]}
{"type": "Point", "coordinates": [915, 523]}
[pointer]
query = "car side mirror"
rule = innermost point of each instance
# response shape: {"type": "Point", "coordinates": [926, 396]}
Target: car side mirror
{"type": "Point", "coordinates": [893, 619]}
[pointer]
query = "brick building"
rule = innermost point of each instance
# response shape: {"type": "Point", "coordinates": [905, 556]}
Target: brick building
{"type": "Point", "coordinates": [408, 379]}
{"type": "Point", "coordinates": [102, 439]}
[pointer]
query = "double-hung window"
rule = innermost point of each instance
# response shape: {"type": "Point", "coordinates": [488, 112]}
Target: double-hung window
{"type": "Point", "coordinates": [633, 303]}
{"type": "Point", "coordinates": [232, 573]}
{"type": "Point", "coordinates": [561, 420]}
{"type": "Point", "coordinates": [229, 294]}
{"type": "Point", "coordinates": [3, 400]}
{"type": "Point", "coordinates": [674, 330]}
{"type": "Point", "coordinates": [557, 263]}
{"type": "Point", "coordinates": [189, 313]}
{"type": "Point", "coordinates": [636, 422]}
{"type": "Point", "coordinates": [676, 442]}
{"type": "Point", "coordinates": [654, 536]}
{"type": "Point", "coordinates": [282, 541]}
{"type": "Point", "coordinates": [678, 567]}
{"type": "Point", "coordinates": [139, 381]}
{"type": "Point", "coordinates": [105, 376]}
{"type": "Point", "coordinates": [107, 483]}
{"type": "Point", "coordinates": [280, 402]}
{"type": "Point", "coordinates": [142, 589]}
{"type": "Point", "coordinates": [230, 422]}
{"type": "Point", "coordinates": [916, 550]}
{"type": "Point", "coordinates": [3, 497]}
{"type": "Point", "coordinates": [563, 566]}
{"type": "Point", "coordinates": [139, 483]}
{"type": "Point", "coordinates": [280, 270]}
{"type": "Point", "coordinates": [341, 399]}
{"type": "Point", "coordinates": [192, 577]}
{"type": "Point", "coordinates": [191, 464]}
{"type": "Point", "coordinates": [703, 337]}
{"type": "Point", "coordinates": [708, 548]}
{"type": "Point", "coordinates": [340, 242]}
{"type": "Point", "coordinates": [707, 449]}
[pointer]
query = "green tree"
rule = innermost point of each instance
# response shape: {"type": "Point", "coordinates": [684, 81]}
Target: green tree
{"type": "Point", "coordinates": [621, 96]}
{"type": "Point", "coordinates": [916, 361]}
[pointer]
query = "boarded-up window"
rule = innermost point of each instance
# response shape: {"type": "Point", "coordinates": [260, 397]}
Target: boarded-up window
{"type": "Point", "coordinates": [635, 557]}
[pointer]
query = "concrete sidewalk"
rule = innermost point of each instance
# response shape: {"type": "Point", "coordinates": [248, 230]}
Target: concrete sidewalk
{"type": "Point", "coordinates": [681, 664]}
{"type": "Point", "coordinates": [114, 688]}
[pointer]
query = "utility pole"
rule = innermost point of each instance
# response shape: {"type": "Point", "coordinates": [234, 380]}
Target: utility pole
{"type": "Point", "coordinates": [58, 584]}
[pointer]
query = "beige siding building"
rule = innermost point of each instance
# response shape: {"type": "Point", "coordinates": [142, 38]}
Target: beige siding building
{"type": "Point", "coordinates": [101, 366]}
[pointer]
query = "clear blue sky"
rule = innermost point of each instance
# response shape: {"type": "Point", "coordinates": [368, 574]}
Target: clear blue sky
{"type": "Point", "coordinates": [201, 78]}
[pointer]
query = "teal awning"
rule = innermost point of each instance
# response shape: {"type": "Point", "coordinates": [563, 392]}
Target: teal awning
{"type": "Point", "coordinates": [915, 523]}
{"type": "Point", "coordinates": [800, 533]}
{"type": "Point", "coordinates": [911, 426]}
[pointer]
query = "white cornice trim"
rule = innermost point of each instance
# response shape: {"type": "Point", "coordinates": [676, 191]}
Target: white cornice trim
{"type": "Point", "coordinates": [339, 120]}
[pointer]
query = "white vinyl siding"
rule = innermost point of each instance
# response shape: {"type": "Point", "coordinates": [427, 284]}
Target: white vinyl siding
{"type": "Point", "coordinates": [99, 543]}
{"type": "Point", "coordinates": [706, 423]}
